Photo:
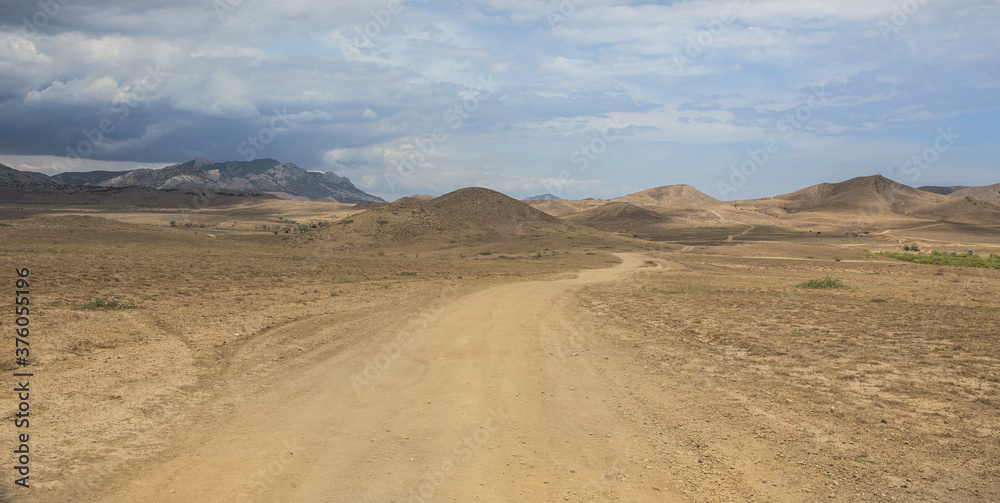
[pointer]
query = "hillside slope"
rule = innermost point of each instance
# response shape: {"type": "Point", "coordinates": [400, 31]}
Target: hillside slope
{"type": "Point", "coordinates": [284, 180]}
{"type": "Point", "coordinates": [985, 193]}
{"type": "Point", "coordinates": [26, 187]}
{"type": "Point", "coordinates": [876, 196]}
{"type": "Point", "coordinates": [668, 195]}
{"type": "Point", "coordinates": [467, 216]}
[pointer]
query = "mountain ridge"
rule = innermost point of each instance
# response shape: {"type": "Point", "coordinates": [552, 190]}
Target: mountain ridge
{"type": "Point", "coordinates": [283, 180]}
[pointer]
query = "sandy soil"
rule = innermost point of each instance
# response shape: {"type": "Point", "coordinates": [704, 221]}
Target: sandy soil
{"type": "Point", "coordinates": [564, 365]}
{"type": "Point", "coordinates": [469, 398]}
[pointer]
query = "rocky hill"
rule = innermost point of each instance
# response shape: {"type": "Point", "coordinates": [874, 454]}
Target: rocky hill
{"type": "Point", "coordinates": [543, 197]}
{"type": "Point", "coordinates": [13, 178]}
{"type": "Point", "coordinates": [27, 187]}
{"type": "Point", "coordinates": [284, 180]}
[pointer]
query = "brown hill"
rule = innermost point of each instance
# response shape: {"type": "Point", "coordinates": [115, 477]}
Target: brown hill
{"type": "Point", "coordinates": [616, 212]}
{"type": "Point", "coordinates": [564, 207]}
{"type": "Point", "coordinates": [618, 217]}
{"type": "Point", "coordinates": [871, 194]}
{"type": "Point", "coordinates": [486, 209]}
{"type": "Point", "coordinates": [414, 198]}
{"type": "Point", "coordinates": [468, 216]}
{"type": "Point", "coordinates": [877, 196]}
{"type": "Point", "coordinates": [985, 193]}
{"type": "Point", "coordinates": [967, 210]}
{"type": "Point", "coordinates": [669, 195]}
{"type": "Point", "coordinates": [943, 191]}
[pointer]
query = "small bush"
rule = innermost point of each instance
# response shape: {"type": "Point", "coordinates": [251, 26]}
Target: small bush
{"type": "Point", "coordinates": [822, 284]}
{"type": "Point", "coordinates": [109, 302]}
{"type": "Point", "coordinates": [173, 223]}
{"type": "Point", "coordinates": [968, 259]}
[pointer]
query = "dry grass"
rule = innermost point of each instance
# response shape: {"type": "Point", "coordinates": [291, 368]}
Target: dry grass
{"type": "Point", "coordinates": [869, 387]}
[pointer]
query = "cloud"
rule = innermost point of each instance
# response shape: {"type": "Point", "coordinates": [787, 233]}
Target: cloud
{"type": "Point", "coordinates": [92, 91]}
{"type": "Point", "coordinates": [693, 83]}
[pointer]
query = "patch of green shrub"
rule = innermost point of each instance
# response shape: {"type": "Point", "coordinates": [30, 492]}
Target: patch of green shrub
{"type": "Point", "coordinates": [968, 259]}
{"type": "Point", "coordinates": [822, 284]}
{"type": "Point", "coordinates": [109, 302]}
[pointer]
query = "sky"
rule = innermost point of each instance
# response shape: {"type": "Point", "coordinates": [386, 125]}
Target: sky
{"type": "Point", "coordinates": [577, 98]}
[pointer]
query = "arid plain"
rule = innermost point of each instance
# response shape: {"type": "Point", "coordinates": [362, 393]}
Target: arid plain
{"type": "Point", "coordinates": [471, 347]}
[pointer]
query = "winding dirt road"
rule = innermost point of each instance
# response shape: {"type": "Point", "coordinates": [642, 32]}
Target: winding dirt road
{"type": "Point", "coordinates": [495, 396]}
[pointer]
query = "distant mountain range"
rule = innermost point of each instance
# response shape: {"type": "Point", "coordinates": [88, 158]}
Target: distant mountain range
{"type": "Point", "coordinates": [416, 198]}
{"type": "Point", "coordinates": [283, 180]}
{"type": "Point", "coordinates": [542, 197]}
{"type": "Point", "coordinates": [27, 187]}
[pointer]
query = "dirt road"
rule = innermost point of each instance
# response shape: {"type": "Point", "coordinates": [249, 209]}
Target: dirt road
{"type": "Point", "coordinates": [490, 397]}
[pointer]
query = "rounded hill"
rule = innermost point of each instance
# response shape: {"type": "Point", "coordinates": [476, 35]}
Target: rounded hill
{"type": "Point", "coordinates": [669, 195]}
